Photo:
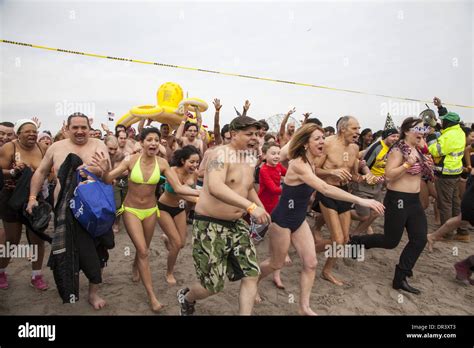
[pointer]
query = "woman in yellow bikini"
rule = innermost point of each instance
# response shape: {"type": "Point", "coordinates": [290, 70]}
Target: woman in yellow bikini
{"type": "Point", "coordinates": [139, 208]}
{"type": "Point", "coordinates": [184, 163]}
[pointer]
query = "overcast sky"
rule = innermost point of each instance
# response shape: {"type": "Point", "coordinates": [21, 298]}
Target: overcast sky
{"type": "Point", "coordinates": [413, 49]}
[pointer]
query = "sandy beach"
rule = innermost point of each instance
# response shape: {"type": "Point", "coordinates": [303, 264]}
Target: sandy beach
{"type": "Point", "coordinates": [369, 291]}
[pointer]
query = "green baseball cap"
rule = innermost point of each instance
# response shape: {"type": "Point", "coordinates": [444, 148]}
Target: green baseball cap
{"type": "Point", "coordinates": [451, 116]}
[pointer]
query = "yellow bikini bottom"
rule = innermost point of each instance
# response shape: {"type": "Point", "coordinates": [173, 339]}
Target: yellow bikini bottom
{"type": "Point", "coordinates": [142, 214]}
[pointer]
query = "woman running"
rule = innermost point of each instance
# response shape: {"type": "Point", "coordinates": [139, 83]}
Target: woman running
{"type": "Point", "coordinates": [139, 208]}
{"type": "Point", "coordinates": [404, 169]}
{"type": "Point", "coordinates": [288, 218]}
{"type": "Point", "coordinates": [172, 221]}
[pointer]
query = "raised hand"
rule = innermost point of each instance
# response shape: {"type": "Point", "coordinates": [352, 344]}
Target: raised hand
{"type": "Point", "coordinates": [105, 128]}
{"type": "Point", "coordinates": [37, 121]}
{"type": "Point", "coordinates": [437, 101]}
{"type": "Point", "coordinates": [292, 111]}
{"type": "Point", "coordinates": [246, 105]}
{"type": "Point", "coordinates": [217, 104]}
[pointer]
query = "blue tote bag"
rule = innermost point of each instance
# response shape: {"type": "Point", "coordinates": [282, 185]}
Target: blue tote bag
{"type": "Point", "coordinates": [93, 205]}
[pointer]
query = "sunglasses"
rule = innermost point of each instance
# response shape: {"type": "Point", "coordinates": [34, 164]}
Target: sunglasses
{"type": "Point", "coordinates": [420, 129]}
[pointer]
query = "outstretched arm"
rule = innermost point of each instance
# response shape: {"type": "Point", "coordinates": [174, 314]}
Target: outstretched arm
{"type": "Point", "coordinates": [217, 127]}
{"type": "Point", "coordinates": [306, 175]}
{"type": "Point", "coordinates": [281, 133]}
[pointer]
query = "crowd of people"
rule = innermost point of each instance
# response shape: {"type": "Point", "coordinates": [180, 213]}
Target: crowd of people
{"type": "Point", "coordinates": [236, 185]}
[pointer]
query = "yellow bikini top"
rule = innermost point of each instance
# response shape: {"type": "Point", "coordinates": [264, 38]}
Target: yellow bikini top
{"type": "Point", "coordinates": [136, 175]}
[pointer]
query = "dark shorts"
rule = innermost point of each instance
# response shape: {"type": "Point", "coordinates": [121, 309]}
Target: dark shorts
{"type": "Point", "coordinates": [330, 203]}
{"type": "Point", "coordinates": [7, 214]}
{"type": "Point", "coordinates": [222, 248]}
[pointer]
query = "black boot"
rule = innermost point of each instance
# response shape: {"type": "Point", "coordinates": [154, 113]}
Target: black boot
{"type": "Point", "coordinates": [400, 282]}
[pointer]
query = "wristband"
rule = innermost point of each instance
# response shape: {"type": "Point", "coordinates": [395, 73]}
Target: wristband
{"type": "Point", "coordinates": [12, 173]}
{"type": "Point", "coordinates": [406, 165]}
{"type": "Point", "coordinates": [31, 198]}
{"type": "Point", "coordinates": [251, 208]}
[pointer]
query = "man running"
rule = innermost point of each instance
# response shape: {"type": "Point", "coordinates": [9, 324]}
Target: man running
{"type": "Point", "coordinates": [84, 147]}
{"type": "Point", "coordinates": [221, 241]}
{"type": "Point", "coordinates": [338, 167]}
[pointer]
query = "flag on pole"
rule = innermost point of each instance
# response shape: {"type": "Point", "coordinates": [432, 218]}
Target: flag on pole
{"type": "Point", "coordinates": [111, 116]}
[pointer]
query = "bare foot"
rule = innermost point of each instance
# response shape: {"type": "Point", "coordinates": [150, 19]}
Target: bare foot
{"type": "Point", "coordinates": [278, 283]}
{"type": "Point", "coordinates": [135, 274]}
{"type": "Point", "coordinates": [431, 242]}
{"type": "Point", "coordinates": [306, 311]}
{"type": "Point", "coordinates": [96, 301]}
{"type": "Point", "coordinates": [170, 279]}
{"type": "Point", "coordinates": [258, 299]}
{"type": "Point", "coordinates": [330, 278]}
{"type": "Point", "coordinates": [156, 306]}
{"type": "Point", "coordinates": [370, 230]}
{"type": "Point", "coordinates": [115, 228]}
{"type": "Point", "coordinates": [165, 240]}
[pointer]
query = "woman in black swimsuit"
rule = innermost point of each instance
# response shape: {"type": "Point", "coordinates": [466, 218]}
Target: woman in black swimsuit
{"type": "Point", "coordinates": [288, 218]}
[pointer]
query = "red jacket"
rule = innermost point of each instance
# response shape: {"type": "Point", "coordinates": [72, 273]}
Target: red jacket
{"type": "Point", "coordinates": [270, 187]}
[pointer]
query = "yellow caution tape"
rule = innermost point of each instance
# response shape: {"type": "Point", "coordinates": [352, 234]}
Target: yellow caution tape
{"type": "Point", "coordinates": [224, 73]}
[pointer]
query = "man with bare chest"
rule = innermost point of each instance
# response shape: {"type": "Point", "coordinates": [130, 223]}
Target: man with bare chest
{"type": "Point", "coordinates": [338, 167]}
{"type": "Point", "coordinates": [84, 147]}
{"type": "Point", "coordinates": [221, 241]}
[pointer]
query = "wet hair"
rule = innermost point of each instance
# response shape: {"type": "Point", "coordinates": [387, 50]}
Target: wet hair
{"type": "Point", "coordinates": [300, 139]}
{"type": "Point", "coordinates": [269, 136]}
{"type": "Point", "coordinates": [120, 126]}
{"type": "Point", "coordinates": [314, 120]}
{"type": "Point", "coordinates": [78, 114]}
{"type": "Point", "coordinates": [267, 146]}
{"type": "Point", "coordinates": [182, 155]}
{"type": "Point", "coordinates": [7, 124]}
{"type": "Point", "coordinates": [330, 129]}
{"type": "Point", "coordinates": [190, 124]}
{"type": "Point", "coordinates": [264, 124]}
{"type": "Point", "coordinates": [110, 138]}
{"type": "Point", "coordinates": [148, 130]}
{"type": "Point", "coordinates": [365, 132]}
{"type": "Point", "coordinates": [408, 123]}
{"type": "Point", "coordinates": [121, 131]}
{"type": "Point", "coordinates": [377, 134]}
{"type": "Point", "coordinates": [224, 130]}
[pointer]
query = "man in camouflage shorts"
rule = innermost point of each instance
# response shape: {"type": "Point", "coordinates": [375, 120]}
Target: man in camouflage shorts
{"type": "Point", "coordinates": [221, 240]}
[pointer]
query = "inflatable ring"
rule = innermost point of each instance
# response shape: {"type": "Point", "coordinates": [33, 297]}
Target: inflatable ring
{"type": "Point", "coordinates": [148, 111]}
{"type": "Point", "coordinates": [127, 120]}
{"type": "Point", "coordinates": [193, 102]}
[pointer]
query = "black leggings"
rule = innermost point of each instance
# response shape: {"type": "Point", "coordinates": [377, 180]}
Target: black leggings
{"type": "Point", "coordinates": [402, 210]}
